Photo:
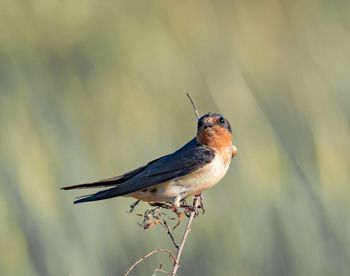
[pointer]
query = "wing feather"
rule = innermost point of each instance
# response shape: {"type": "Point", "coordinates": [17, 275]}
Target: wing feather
{"type": "Point", "coordinates": [113, 181]}
{"type": "Point", "coordinates": [188, 159]}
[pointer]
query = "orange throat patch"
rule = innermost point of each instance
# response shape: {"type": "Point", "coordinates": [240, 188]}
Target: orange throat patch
{"type": "Point", "coordinates": [215, 137]}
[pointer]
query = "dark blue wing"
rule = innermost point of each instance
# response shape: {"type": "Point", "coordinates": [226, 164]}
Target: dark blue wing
{"type": "Point", "coordinates": [187, 159]}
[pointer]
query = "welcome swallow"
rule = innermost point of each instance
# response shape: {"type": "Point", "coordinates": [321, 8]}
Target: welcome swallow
{"type": "Point", "coordinates": [192, 169]}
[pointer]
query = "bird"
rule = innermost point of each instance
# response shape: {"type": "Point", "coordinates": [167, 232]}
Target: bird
{"type": "Point", "coordinates": [195, 167]}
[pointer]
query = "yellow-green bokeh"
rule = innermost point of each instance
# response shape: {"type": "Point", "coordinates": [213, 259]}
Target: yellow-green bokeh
{"type": "Point", "coordinates": [90, 89]}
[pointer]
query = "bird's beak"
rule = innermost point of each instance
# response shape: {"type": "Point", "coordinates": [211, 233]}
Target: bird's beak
{"type": "Point", "coordinates": [234, 151]}
{"type": "Point", "coordinates": [206, 125]}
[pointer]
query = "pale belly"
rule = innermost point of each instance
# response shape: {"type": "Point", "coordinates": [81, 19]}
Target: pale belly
{"type": "Point", "coordinates": [185, 186]}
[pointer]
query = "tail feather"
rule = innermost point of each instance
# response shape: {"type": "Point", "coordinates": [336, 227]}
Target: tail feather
{"type": "Point", "coordinates": [89, 185]}
{"type": "Point", "coordinates": [105, 194]}
{"type": "Point", "coordinates": [82, 199]}
{"type": "Point", "coordinates": [113, 181]}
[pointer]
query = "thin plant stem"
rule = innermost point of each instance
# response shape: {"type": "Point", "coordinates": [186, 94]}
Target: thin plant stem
{"type": "Point", "coordinates": [196, 203]}
{"type": "Point", "coordinates": [193, 105]}
{"type": "Point", "coordinates": [171, 255]}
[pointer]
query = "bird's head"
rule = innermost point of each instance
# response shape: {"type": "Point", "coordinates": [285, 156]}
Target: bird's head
{"type": "Point", "coordinates": [214, 131]}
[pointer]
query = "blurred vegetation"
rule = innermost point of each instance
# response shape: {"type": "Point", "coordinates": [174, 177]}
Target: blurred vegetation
{"type": "Point", "coordinates": [90, 89]}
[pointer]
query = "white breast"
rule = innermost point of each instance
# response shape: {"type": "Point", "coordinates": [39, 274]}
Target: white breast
{"type": "Point", "coordinates": [204, 178]}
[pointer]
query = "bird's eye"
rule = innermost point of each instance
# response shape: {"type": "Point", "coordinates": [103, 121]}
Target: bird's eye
{"type": "Point", "coordinates": [222, 120]}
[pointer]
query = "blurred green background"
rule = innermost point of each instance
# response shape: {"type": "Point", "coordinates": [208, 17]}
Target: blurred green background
{"type": "Point", "coordinates": [90, 89]}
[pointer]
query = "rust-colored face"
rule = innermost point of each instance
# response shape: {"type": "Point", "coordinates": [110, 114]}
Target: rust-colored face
{"type": "Point", "coordinates": [214, 131]}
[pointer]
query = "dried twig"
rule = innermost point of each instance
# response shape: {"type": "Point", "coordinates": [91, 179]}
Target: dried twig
{"type": "Point", "coordinates": [171, 255]}
{"type": "Point", "coordinates": [194, 105]}
{"type": "Point", "coordinates": [153, 217]}
{"type": "Point", "coordinates": [160, 269]}
{"type": "Point", "coordinates": [133, 206]}
{"type": "Point", "coordinates": [166, 226]}
{"type": "Point", "coordinates": [196, 204]}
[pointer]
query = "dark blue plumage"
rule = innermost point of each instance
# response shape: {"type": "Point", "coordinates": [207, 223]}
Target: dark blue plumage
{"type": "Point", "coordinates": [187, 159]}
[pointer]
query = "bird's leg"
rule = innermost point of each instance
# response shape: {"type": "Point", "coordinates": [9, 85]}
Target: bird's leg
{"type": "Point", "coordinates": [132, 206]}
{"type": "Point", "coordinates": [178, 202]}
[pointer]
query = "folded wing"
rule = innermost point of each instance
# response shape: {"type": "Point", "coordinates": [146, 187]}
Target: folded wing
{"type": "Point", "coordinates": [187, 159]}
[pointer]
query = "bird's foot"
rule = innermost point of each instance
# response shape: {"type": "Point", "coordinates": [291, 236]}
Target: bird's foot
{"type": "Point", "coordinates": [194, 207]}
{"type": "Point", "coordinates": [189, 209]}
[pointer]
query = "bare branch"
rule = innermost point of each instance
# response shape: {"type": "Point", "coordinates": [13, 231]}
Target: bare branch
{"type": "Point", "coordinates": [171, 255]}
{"type": "Point", "coordinates": [153, 217]}
{"type": "Point", "coordinates": [196, 203]}
{"type": "Point", "coordinates": [161, 270]}
{"type": "Point", "coordinates": [166, 226]}
{"type": "Point", "coordinates": [194, 105]}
